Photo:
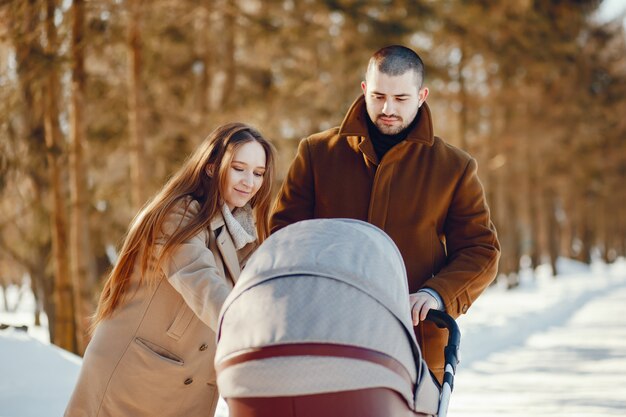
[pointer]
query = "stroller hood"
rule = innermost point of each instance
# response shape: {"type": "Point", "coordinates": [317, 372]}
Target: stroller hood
{"type": "Point", "coordinates": [352, 251]}
{"type": "Point", "coordinates": [337, 282]}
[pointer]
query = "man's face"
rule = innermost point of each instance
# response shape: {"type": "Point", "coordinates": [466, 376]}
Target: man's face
{"type": "Point", "coordinates": [392, 101]}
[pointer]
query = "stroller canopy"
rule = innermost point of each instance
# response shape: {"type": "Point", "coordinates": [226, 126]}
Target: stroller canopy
{"type": "Point", "coordinates": [327, 281]}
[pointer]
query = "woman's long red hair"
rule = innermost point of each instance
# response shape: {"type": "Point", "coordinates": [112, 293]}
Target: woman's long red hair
{"type": "Point", "coordinates": [192, 179]}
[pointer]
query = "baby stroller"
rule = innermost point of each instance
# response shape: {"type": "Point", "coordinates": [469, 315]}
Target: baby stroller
{"type": "Point", "coordinates": [318, 324]}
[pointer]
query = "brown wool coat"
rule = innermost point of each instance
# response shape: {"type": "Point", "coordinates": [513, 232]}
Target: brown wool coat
{"type": "Point", "coordinates": [154, 356]}
{"type": "Point", "coordinates": [424, 193]}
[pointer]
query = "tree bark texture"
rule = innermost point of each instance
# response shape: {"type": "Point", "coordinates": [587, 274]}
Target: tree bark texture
{"type": "Point", "coordinates": [229, 15]}
{"type": "Point", "coordinates": [65, 328]}
{"type": "Point", "coordinates": [135, 105]}
{"type": "Point", "coordinates": [80, 249]}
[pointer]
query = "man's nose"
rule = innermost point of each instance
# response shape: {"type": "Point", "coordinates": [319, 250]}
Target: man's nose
{"type": "Point", "coordinates": [388, 108]}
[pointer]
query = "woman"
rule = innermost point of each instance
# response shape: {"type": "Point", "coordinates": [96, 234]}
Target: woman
{"type": "Point", "coordinates": [152, 350]}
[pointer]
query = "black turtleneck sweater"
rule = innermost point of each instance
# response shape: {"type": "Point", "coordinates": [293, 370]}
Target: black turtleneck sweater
{"type": "Point", "coordinates": [382, 143]}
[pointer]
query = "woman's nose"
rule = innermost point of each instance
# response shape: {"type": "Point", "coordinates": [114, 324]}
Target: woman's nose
{"type": "Point", "coordinates": [248, 179]}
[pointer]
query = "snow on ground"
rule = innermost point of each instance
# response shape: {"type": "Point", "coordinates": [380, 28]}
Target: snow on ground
{"type": "Point", "coordinates": [36, 377]}
{"type": "Point", "coordinates": [551, 347]}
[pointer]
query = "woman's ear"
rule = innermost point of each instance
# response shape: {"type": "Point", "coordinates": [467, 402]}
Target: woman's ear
{"type": "Point", "coordinates": [209, 170]}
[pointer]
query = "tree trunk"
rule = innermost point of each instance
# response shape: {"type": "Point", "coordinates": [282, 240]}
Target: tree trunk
{"type": "Point", "coordinates": [554, 237]}
{"type": "Point", "coordinates": [603, 229]}
{"type": "Point", "coordinates": [463, 123]}
{"type": "Point", "coordinates": [5, 300]}
{"type": "Point", "coordinates": [489, 154]}
{"type": "Point", "coordinates": [534, 195]}
{"type": "Point", "coordinates": [509, 214]}
{"type": "Point", "coordinates": [80, 249]}
{"type": "Point", "coordinates": [65, 329]}
{"type": "Point", "coordinates": [25, 30]}
{"type": "Point", "coordinates": [229, 12]}
{"type": "Point", "coordinates": [37, 278]}
{"type": "Point", "coordinates": [204, 50]}
{"type": "Point", "coordinates": [586, 232]}
{"type": "Point", "coordinates": [135, 122]}
{"type": "Point", "coordinates": [512, 239]}
{"type": "Point", "coordinates": [534, 218]}
{"type": "Point", "coordinates": [566, 215]}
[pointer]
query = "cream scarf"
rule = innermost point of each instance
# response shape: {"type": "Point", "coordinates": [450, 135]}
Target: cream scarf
{"type": "Point", "coordinates": [240, 224]}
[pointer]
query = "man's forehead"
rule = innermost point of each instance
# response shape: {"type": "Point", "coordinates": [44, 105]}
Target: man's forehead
{"type": "Point", "coordinates": [404, 84]}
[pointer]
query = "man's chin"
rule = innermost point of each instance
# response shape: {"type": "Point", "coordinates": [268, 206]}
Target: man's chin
{"type": "Point", "coordinates": [389, 130]}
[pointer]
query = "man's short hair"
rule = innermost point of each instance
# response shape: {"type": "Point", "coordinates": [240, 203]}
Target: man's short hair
{"type": "Point", "coordinates": [397, 60]}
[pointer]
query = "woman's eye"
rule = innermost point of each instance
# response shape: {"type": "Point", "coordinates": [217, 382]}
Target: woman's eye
{"type": "Point", "coordinates": [238, 169]}
{"type": "Point", "coordinates": [259, 174]}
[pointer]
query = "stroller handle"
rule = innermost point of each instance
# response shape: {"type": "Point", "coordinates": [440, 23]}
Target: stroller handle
{"type": "Point", "coordinates": [445, 321]}
{"type": "Point", "coordinates": [451, 351]}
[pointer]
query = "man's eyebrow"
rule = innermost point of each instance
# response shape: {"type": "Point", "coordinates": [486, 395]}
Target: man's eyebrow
{"type": "Point", "coordinates": [395, 95]}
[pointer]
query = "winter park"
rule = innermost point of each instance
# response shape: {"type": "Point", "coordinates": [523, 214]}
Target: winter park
{"type": "Point", "coordinates": [552, 347]}
{"type": "Point", "coordinates": [244, 208]}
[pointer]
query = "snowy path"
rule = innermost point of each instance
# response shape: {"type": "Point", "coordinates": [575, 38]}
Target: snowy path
{"type": "Point", "coordinates": [552, 347]}
{"type": "Point", "coordinates": [566, 364]}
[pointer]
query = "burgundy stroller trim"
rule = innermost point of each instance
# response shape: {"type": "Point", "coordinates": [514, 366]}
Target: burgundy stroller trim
{"type": "Point", "coordinates": [317, 349]}
{"type": "Point", "coordinates": [369, 402]}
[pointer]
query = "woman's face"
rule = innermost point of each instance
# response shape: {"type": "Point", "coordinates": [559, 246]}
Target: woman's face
{"type": "Point", "coordinates": [244, 176]}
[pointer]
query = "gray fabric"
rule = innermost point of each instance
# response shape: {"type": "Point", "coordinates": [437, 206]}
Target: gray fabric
{"type": "Point", "coordinates": [351, 251]}
{"type": "Point", "coordinates": [331, 281]}
{"type": "Point", "coordinates": [304, 308]}
{"type": "Point", "coordinates": [306, 375]}
{"type": "Point", "coordinates": [287, 310]}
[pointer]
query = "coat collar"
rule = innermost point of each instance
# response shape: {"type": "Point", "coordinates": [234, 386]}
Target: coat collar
{"type": "Point", "coordinates": [225, 245]}
{"type": "Point", "coordinates": [355, 123]}
{"type": "Point", "coordinates": [217, 221]}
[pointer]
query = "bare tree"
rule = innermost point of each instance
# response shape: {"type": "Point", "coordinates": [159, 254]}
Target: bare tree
{"type": "Point", "coordinates": [65, 329]}
{"type": "Point", "coordinates": [135, 104]}
{"type": "Point", "coordinates": [83, 276]}
{"type": "Point", "coordinates": [229, 10]}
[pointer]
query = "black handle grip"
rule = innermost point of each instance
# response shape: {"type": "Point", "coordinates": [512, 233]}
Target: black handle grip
{"type": "Point", "coordinates": [445, 321]}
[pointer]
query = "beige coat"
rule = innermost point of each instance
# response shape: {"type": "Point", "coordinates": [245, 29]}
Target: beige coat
{"type": "Point", "coordinates": [154, 356]}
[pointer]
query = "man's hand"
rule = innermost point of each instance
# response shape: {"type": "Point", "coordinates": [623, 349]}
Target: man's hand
{"type": "Point", "coordinates": [421, 302]}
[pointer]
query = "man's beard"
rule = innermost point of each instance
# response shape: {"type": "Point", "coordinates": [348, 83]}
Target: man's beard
{"type": "Point", "coordinates": [391, 130]}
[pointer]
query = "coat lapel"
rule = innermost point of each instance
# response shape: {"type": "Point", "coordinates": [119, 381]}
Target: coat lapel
{"type": "Point", "coordinates": [229, 253]}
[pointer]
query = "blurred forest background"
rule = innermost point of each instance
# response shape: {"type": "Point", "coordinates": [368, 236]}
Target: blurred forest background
{"type": "Point", "coordinates": [101, 100]}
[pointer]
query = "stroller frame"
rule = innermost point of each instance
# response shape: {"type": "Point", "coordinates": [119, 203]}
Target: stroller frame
{"type": "Point", "coordinates": [451, 352]}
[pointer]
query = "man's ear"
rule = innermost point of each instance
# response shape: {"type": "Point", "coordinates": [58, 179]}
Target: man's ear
{"type": "Point", "coordinates": [209, 170]}
{"type": "Point", "coordinates": [422, 95]}
{"type": "Point", "coordinates": [363, 86]}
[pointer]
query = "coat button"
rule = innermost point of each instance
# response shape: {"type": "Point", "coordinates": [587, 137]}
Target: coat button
{"type": "Point", "coordinates": [203, 347]}
{"type": "Point", "coordinates": [464, 309]}
{"type": "Point", "coordinates": [188, 381]}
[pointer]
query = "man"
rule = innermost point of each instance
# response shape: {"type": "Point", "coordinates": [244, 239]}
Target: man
{"type": "Point", "coordinates": [385, 166]}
